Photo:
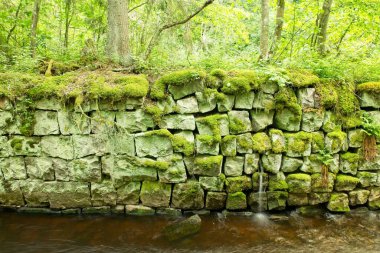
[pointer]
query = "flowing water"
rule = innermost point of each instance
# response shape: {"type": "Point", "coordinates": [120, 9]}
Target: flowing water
{"type": "Point", "coordinates": [292, 233]}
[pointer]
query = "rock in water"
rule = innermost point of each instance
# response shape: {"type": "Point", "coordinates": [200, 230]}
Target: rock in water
{"type": "Point", "coordinates": [181, 229]}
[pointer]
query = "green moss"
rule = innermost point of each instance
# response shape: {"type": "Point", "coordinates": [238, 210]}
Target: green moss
{"type": "Point", "coordinates": [276, 184]}
{"type": "Point", "coordinates": [261, 142]}
{"type": "Point", "coordinates": [180, 144]}
{"type": "Point", "coordinates": [177, 78]}
{"type": "Point", "coordinates": [154, 111]}
{"type": "Point", "coordinates": [339, 135]}
{"type": "Point", "coordinates": [16, 144]}
{"type": "Point", "coordinates": [278, 146]}
{"type": "Point", "coordinates": [327, 94]}
{"type": "Point", "coordinates": [298, 142]}
{"type": "Point", "coordinates": [369, 87]}
{"type": "Point", "coordinates": [160, 165]}
{"type": "Point", "coordinates": [236, 85]}
{"type": "Point", "coordinates": [285, 98]}
{"type": "Point", "coordinates": [351, 121]}
{"type": "Point", "coordinates": [274, 131]}
{"type": "Point", "coordinates": [133, 86]}
{"type": "Point", "coordinates": [251, 76]}
{"type": "Point", "coordinates": [212, 82]}
{"type": "Point", "coordinates": [209, 140]}
{"type": "Point", "coordinates": [160, 132]}
{"type": "Point", "coordinates": [348, 103]}
{"type": "Point", "coordinates": [318, 141]}
{"type": "Point", "coordinates": [226, 143]}
{"type": "Point", "coordinates": [345, 179]}
{"type": "Point", "coordinates": [220, 97]}
{"type": "Point", "coordinates": [236, 200]}
{"type": "Point", "coordinates": [350, 157]}
{"type": "Point", "coordinates": [299, 176]}
{"type": "Point", "coordinates": [213, 121]}
{"type": "Point", "coordinates": [238, 184]}
{"type": "Point", "coordinates": [302, 78]}
{"type": "Point", "coordinates": [236, 125]}
{"type": "Point", "coordinates": [208, 162]}
{"type": "Point", "coordinates": [219, 73]}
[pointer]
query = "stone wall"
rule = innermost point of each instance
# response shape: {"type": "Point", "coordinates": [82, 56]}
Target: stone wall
{"type": "Point", "coordinates": [203, 151]}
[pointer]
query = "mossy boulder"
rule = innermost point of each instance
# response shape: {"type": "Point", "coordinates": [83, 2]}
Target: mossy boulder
{"type": "Point", "coordinates": [245, 100]}
{"type": "Point", "coordinates": [277, 200]}
{"type": "Point", "coordinates": [175, 172]}
{"type": "Point", "coordinates": [251, 163]}
{"type": "Point", "coordinates": [216, 200]}
{"type": "Point", "coordinates": [154, 143]}
{"type": "Point", "coordinates": [215, 184]}
{"type": "Point", "coordinates": [290, 164]}
{"type": "Point", "coordinates": [358, 197]}
{"type": "Point", "coordinates": [369, 94]}
{"type": "Point", "coordinates": [188, 195]}
{"type": "Point", "coordinates": [236, 201]}
{"type": "Point", "coordinates": [367, 179]}
{"type": "Point", "coordinates": [336, 141]}
{"type": "Point", "coordinates": [155, 194]}
{"type": "Point", "coordinates": [244, 143]}
{"type": "Point", "coordinates": [261, 143]}
{"type": "Point", "coordinates": [338, 203]}
{"type": "Point", "coordinates": [345, 183]}
{"type": "Point", "coordinates": [278, 140]}
{"type": "Point", "coordinates": [228, 145]}
{"type": "Point", "coordinates": [312, 120]}
{"type": "Point", "coordinates": [261, 119]}
{"type": "Point", "coordinates": [178, 121]}
{"type": "Point", "coordinates": [298, 144]}
{"type": "Point", "coordinates": [298, 199]}
{"type": "Point", "coordinates": [299, 183]}
{"type": "Point", "coordinates": [234, 166]}
{"type": "Point", "coordinates": [128, 193]}
{"type": "Point", "coordinates": [316, 198]}
{"type": "Point", "coordinates": [239, 122]}
{"type": "Point", "coordinates": [238, 184]}
{"type": "Point", "coordinates": [182, 229]}
{"type": "Point", "coordinates": [271, 162]}
{"type": "Point", "coordinates": [321, 183]}
{"type": "Point", "coordinates": [208, 165]}
{"type": "Point", "coordinates": [277, 182]}
{"type": "Point", "coordinates": [103, 193]}
{"type": "Point", "coordinates": [349, 163]}
{"type": "Point", "coordinates": [374, 198]}
{"type": "Point", "coordinates": [206, 144]}
{"type": "Point", "coordinates": [226, 104]}
{"type": "Point", "coordinates": [206, 101]}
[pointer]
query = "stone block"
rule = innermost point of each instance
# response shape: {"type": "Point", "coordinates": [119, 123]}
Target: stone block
{"type": "Point", "coordinates": [215, 184]}
{"type": "Point", "coordinates": [298, 144]}
{"type": "Point", "coordinates": [322, 183]}
{"type": "Point", "coordinates": [58, 146]}
{"type": "Point", "coordinates": [40, 168]}
{"type": "Point", "coordinates": [73, 123]}
{"type": "Point", "coordinates": [102, 122]}
{"type": "Point", "coordinates": [345, 183]}
{"type": "Point", "coordinates": [216, 124]}
{"type": "Point", "coordinates": [330, 122]}
{"type": "Point", "coordinates": [245, 100]}
{"type": "Point", "coordinates": [178, 121]}
{"type": "Point", "coordinates": [316, 198]}
{"type": "Point", "coordinates": [46, 123]}
{"type": "Point", "coordinates": [258, 201]}
{"type": "Point", "coordinates": [216, 200]}
{"type": "Point", "coordinates": [128, 193]}
{"type": "Point", "coordinates": [85, 169]}
{"type": "Point", "coordinates": [13, 168]}
{"type": "Point", "coordinates": [277, 182]}
{"type": "Point", "coordinates": [370, 99]}
{"type": "Point", "coordinates": [349, 163]}
{"type": "Point", "coordinates": [180, 91]}
{"type": "Point", "coordinates": [298, 199]}
{"type": "Point", "coordinates": [63, 195]}
{"type": "Point", "coordinates": [10, 193]}
{"type": "Point", "coordinates": [374, 199]}
{"type": "Point", "coordinates": [287, 120]}
{"type": "Point", "coordinates": [188, 195]}
{"type": "Point", "coordinates": [134, 121]}
{"type": "Point", "coordinates": [261, 119]}
{"type": "Point", "coordinates": [103, 193]}
{"type": "Point", "coordinates": [35, 193]}
{"type": "Point", "coordinates": [226, 104]}
{"type": "Point", "coordinates": [175, 173]}
{"type": "Point", "coordinates": [355, 138]}
{"type": "Point", "coordinates": [251, 163]}
{"type": "Point", "coordinates": [290, 164]}
{"type": "Point", "coordinates": [306, 97]}
{"type": "Point", "coordinates": [263, 101]}
{"type": "Point", "coordinates": [336, 141]}
{"type": "Point", "coordinates": [239, 122]}
{"type": "Point", "coordinates": [238, 184]}
{"type": "Point", "coordinates": [271, 162]}
{"type": "Point", "coordinates": [206, 102]}
{"type": "Point", "coordinates": [234, 166]}
{"type": "Point", "coordinates": [236, 201]}
{"type": "Point", "coordinates": [155, 194]}
{"type": "Point", "coordinates": [152, 144]}
{"type": "Point", "coordinates": [187, 105]}
{"type": "Point", "coordinates": [358, 197]}
{"type": "Point", "coordinates": [244, 143]}
{"type": "Point", "coordinates": [61, 170]}
{"type": "Point", "coordinates": [367, 179]}
{"type": "Point", "coordinates": [24, 146]}
{"type": "Point", "coordinates": [208, 165]}
{"type": "Point", "coordinates": [206, 144]}
{"type": "Point", "coordinates": [299, 183]}
{"type": "Point", "coordinates": [277, 200]}
{"type": "Point", "coordinates": [338, 203]}
{"type": "Point", "coordinates": [138, 210]}
{"type": "Point", "coordinates": [312, 120]}
{"type": "Point", "coordinates": [228, 145]}
{"type": "Point", "coordinates": [260, 177]}
{"type": "Point", "coordinates": [278, 140]}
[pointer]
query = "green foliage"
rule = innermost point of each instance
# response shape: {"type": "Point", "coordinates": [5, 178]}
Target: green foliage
{"type": "Point", "coordinates": [369, 87]}
{"type": "Point", "coordinates": [302, 78]}
{"type": "Point", "coordinates": [325, 157]}
{"type": "Point", "coordinates": [261, 143]}
{"type": "Point", "coordinates": [369, 125]}
{"type": "Point", "coordinates": [327, 94]}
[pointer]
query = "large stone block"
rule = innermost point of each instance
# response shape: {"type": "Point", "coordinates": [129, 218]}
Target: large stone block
{"type": "Point", "coordinates": [271, 162]}
{"type": "Point", "coordinates": [102, 122]}
{"type": "Point", "coordinates": [85, 169]}
{"type": "Point", "coordinates": [187, 105]}
{"type": "Point", "coordinates": [330, 122]}
{"type": "Point", "coordinates": [6, 119]}
{"type": "Point", "coordinates": [299, 183]}
{"type": "Point", "coordinates": [278, 140]}
{"type": "Point", "coordinates": [238, 184]}
{"type": "Point", "coordinates": [261, 119]}
{"type": "Point", "coordinates": [128, 193]}
{"type": "Point", "coordinates": [188, 195]}
{"type": "Point", "coordinates": [277, 200]}
{"type": "Point", "coordinates": [139, 210]}
{"type": "Point", "coordinates": [50, 104]}
{"type": "Point", "coordinates": [226, 104]}
{"type": "Point", "coordinates": [239, 122]}
{"type": "Point", "coordinates": [288, 120]}
{"type": "Point", "coordinates": [345, 183]}
{"type": "Point", "coordinates": [63, 195]}
{"type": "Point", "coordinates": [298, 144]}
{"type": "Point", "coordinates": [178, 121]}
{"type": "Point", "coordinates": [251, 163]}
{"type": "Point", "coordinates": [180, 91]}
{"type": "Point", "coordinates": [258, 201]}
{"type": "Point", "coordinates": [358, 197]}
{"type": "Point", "coordinates": [338, 203]}
{"type": "Point", "coordinates": [370, 99]}
{"type": "Point", "coordinates": [215, 184]}
{"type": "Point", "coordinates": [58, 146]}
{"type": "Point", "coordinates": [62, 172]}
{"type": "Point", "coordinates": [263, 101]}
{"type": "Point", "coordinates": [35, 193]}
{"type": "Point", "coordinates": [244, 143]}
{"type": "Point", "coordinates": [336, 141]}
{"type": "Point", "coordinates": [312, 164]}
{"type": "Point", "coordinates": [290, 164]}
{"type": "Point", "coordinates": [322, 183]}
{"type": "Point", "coordinates": [40, 168]}
{"type": "Point", "coordinates": [316, 198]}
{"type": "Point", "coordinates": [155, 194]}
{"type": "Point", "coordinates": [13, 168]}
{"type": "Point", "coordinates": [25, 146]}
{"type": "Point", "coordinates": [10, 193]}
{"type": "Point", "coordinates": [236, 201]}
{"type": "Point", "coordinates": [153, 144]}
{"type": "Point", "coordinates": [277, 182]}
{"type": "Point", "coordinates": [228, 145]}
{"type": "Point", "coordinates": [206, 144]}
{"type": "Point", "coordinates": [216, 200]}
{"type": "Point", "coordinates": [103, 193]}
{"type": "Point", "coordinates": [298, 199]}
{"type": "Point", "coordinates": [234, 166]}
{"type": "Point", "coordinates": [214, 124]}
{"type": "Point", "coordinates": [5, 147]}
{"type": "Point", "coordinates": [46, 123]}
{"type": "Point", "coordinates": [175, 173]}
{"type": "Point", "coordinates": [208, 165]}
{"type": "Point", "coordinates": [349, 163]}
{"type": "Point", "coordinates": [73, 123]}
{"type": "Point", "coordinates": [312, 120]}
{"type": "Point", "coordinates": [374, 198]}
{"type": "Point", "coordinates": [367, 179]}
{"type": "Point", "coordinates": [355, 138]}
{"type": "Point", "coordinates": [206, 102]}
{"type": "Point", "coordinates": [306, 97]}
{"type": "Point", "coordinates": [245, 100]}
{"type": "Point", "coordinates": [134, 121]}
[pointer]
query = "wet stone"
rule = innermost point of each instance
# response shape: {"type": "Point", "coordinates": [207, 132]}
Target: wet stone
{"type": "Point", "coordinates": [73, 123]}
{"type": "Point", "coordinates": [272, 162]}
{"type": "Point", "coordinates": [128, 193]}
{"type": "Point", "coordinates": [358, 197]}
{"type": "Point", "coordinates": [155, 194]}
{"type": "Point", "coordinates": [258, 201]}
{"type": "Point", "coordinates": [138, 210]}
{"type": "Point", "coordinates": [318, 198]}
{"type": "Point", "coordinates": [277, 200]}
{"type": "Point", "coordinates": [10, 193]}
{"type": "Point", "coordinates": [338, 203]}
{"type": "Point", "coordinates": [216, 200]}
{"type": "Point", "coordinates": [40, 168]}
{"type": "Point", "coordinates": [188, 195]}
{"type": "Point", "coordinates": [103, 193]}
{"type": "Point", "coordinates": [236, 201]}
{"type": "Point", "coordinates": [238, 184]}
{"type": "Point", "coordinates": [298, 199]}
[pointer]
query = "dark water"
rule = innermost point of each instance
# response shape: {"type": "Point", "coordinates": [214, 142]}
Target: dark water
{"type": "Point", "coordinates": [342, 233]}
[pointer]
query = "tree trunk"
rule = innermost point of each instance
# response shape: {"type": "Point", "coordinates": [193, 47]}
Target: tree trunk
{"type": "Point", "coordinates": [264, 36]}
{"type": "Point", "coordinates": [33, 32]}
{"type": "Point", "coordinates": [323, 23]}
{"type": "Point", "coordinates": [118, 34]}
{"type": "Point", "coordinates": [279, 24]}
{"type": "Point", "coordinates": [69, 7]}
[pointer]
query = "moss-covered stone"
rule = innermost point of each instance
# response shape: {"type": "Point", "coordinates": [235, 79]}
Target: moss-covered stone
{"type": "Point", "coordinates": [374, 198]}
{"type": "Point", "coordinates": [298, 199]}
{"type": "Point", "coordinates": [13, 168]}
{"type": "Point", "coordinates": [277, 200]}
{"type": "Point", "coordinates": [348, 102]}
{"type": "Point", "coordinates": [239, 122]}
{"type": "Point", "coordinates": [228, 145]}
{"type": "Point", "coordinates": [178, 121]}
{"type": "Point", "coordinates": [155, 194]}
{"type": "Point", "coordinates": [251, 163]}
{"type": "Point", "coordinates": [216, 125]}
{"type": "Point", "coordinates": [40, 168]}
{"type": "Point", "coordinates": [208, 165]}
{"type": "Point", "coordinates": [245, 100]}
{"type": "Point", "coordinates": [175, 172]}
{"type": "Point", "coordinates": [25, 146]}
{"type": "Point", "coordinates": [299, 183]}
{"type": "Point", "coordinates": [312, 164]}
{"type": "Point", "coordinates": [321, 183]}
{"type": "Point", "coordinates": [216, 200]}
{"type": "Point", "coordinates": [206, 101]}
{"type": "Point", "coordinates": [258, 201]}
{"type": "Point", "coordinates": [271, 162]}
{"type": "Point", "coordinates": [103, 193]}
{"type": "Point", "coordinates": [234, 166]}
{"type": "Point", "coordinates": [215, 184]}
{"type": "Point", "coordinates": [73, 123]}
{"type": "Point", "coordinates": [261, 143]}
{"type": "Point", "coordinates": [290, 164]}
{"type": "Point", "coordinates": [226, 103]}
{"type": "Point", "coordinates": [139, 210]}
{"type": "Point", "coordinates": [187, 105]}
{"type": "Point", "coordinates": [64, 195]}
{"type": "Point", "coordinates": [85, 169]}
{"type": "Point", "coordinates": [336, 141]}
{"type": "Point", "coordinates": [326, 94]}
{"type": "Point", "coordinates": [345, 183]}
{"type": "Point", "coordinates": [261, 119]}
{"type": "Point", "coordinates": [367, 179]}
{"type": "Point", "coordinates": [316, 198]}
{"type": "Point", "coordinates": [154, 143]}
{"type": "Point", "coordinates": [183, 142]}
{"type": "Point", "coordinates": [238, 184]}
{"type": "Point", "coordinates": [135, 121]}
{"type": "Point", "coordinates": [355, 138]}
{"type": "Point", "coordinates": [256, 181]}
{"type": "Point", "coordinates": [318, 142]}
{"type": "Point", "coordinates": [263, 101]}
{"type": "Point", "coordinates": [206, 144]}
{"type": "Point", "coordinates": [312, 120]}
{"type": "Point", "coordinates": [349, 163]}
{"type": "Point", "coordinates": [298, 144]}
{"type": "Point", "coordinates": [102, 122]}
{"type": "Point", "coordinates": [358, 197]}
{"type": "Point", "coordinates": [306, 97]}
{"type": "Point", "coordinates": [236, 201]}
{"type": "Point", "coordinates": [128, 193]}
{"type": "Point", "coordinates": [244, 143]}
{"type": "Point", "coordinates": [338, 203]}
{"type": "Point", "coordinates": [278, 140]}
{"type": "Point", "coordinates": [277, 182]}
{"type": "Point", "coordinates": [330, 122]}
{"type": "Point", "coordinates": [46, 123]}
{"type": "Point", "coordinates": [188, 195]}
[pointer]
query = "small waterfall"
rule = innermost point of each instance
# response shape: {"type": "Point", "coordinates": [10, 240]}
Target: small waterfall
{"type": "Point", "coordinates": [261, 189]}
{"type": "Point", "coordinates": [260, 217]}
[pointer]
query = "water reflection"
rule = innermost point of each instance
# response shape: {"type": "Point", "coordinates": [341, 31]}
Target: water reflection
{"type": "Point", "coordinates": [276, 233]}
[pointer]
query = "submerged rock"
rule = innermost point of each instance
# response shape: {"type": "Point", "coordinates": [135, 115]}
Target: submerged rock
{"type": "Point", "coordinates": [181, 229]}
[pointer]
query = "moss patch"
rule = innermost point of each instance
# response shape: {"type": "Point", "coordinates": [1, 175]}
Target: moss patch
{"type": "Point", "coordinates": [180, 144]}
{"type": "Point", "coordinates": [261, 143]}
{"type": "Point", "coordinates": [348, 103]}
{"type": "Point", "coordinates": [327, 94]}
{"type": "Point", "coordinates": [369, 87]}
{"type": "Point", "coordinates": [302, 78]}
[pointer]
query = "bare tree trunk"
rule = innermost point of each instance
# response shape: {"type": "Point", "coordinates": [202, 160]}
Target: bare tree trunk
{"type": "Point", "coordinates": [264, 36]}
{"type": "Point", "coordinates": [323, 23]}
{"type": "Point", "coordinates": [279, 24]}
{"type": "Point", "coordinates": [118, 32]}
{"type": "Point", "coordinates": [33, 33]}
{"type": "Point", "coordinates": [15, 23]}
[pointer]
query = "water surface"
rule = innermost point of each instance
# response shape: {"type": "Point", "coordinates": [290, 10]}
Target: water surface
{"type": "Point", "coordinates": [39, 233]}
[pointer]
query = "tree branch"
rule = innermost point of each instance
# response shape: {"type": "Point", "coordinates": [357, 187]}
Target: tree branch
{"type": "Point", "coordinates": [137, 6]}
{"type": "Point", "coordinates": [156, 36]}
